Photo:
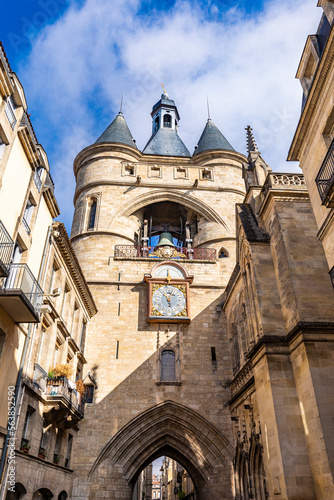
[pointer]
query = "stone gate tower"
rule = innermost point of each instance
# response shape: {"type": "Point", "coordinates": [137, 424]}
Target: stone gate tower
{"type": "Point", "coordinates": [154, 232]}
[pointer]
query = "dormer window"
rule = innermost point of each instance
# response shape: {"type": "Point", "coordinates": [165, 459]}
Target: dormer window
{"type": "Point", "coordinates": [167, 121]}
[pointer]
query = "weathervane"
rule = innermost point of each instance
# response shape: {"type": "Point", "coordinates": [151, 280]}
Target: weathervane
{"type": "Point", "coordinates": [162, 85]}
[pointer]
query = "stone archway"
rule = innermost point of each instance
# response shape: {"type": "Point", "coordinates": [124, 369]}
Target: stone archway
{"type": "Point", "coordinates": [169, 429]}
{"type": "Point", "coordinates": [18, 493]}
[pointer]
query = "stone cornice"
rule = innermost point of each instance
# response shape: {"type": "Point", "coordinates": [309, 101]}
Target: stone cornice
{"type": "Point", "coordinates": [90, 151]}
{"type": "Point", "coordinates": [311, 105]}
{"type": "Point", "coordinates": [208, 155]}
{"type": "Point", "coordinates": [51, 202]}
{"type": "Point", "coordinates": [282, 196]}
{"type": "Point", "coordinates": [28, 146]}
{"type": "Point", "coordinates": [160, 185]}
{"type": "Point", "coordinates": [100, 148]}
{"type": "Point", "coordinates": [67, 251]}
{"type": "Point", "coordinates": [278, 345]}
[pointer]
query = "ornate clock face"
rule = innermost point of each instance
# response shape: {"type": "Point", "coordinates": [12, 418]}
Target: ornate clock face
{"type": "Point", "coordinates": [169, 300]}
{"type": "Point", "coordinates": [168, 270]}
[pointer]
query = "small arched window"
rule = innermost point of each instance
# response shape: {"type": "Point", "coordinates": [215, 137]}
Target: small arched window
{"type": "Point", "coordinates": [156, 123]}
{"type": "Point", "coordinates": [168, 365]}
{"type": "Point", "coordinates": [92, 214]}
{"type": "Point", "coordinates": [167, 121]}
{"type": "Point", "coordinates": [222, 253]}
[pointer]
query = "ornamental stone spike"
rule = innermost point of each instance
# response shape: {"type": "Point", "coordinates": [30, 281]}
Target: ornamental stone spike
{"type": "Point", "coordinates": [251, 144]}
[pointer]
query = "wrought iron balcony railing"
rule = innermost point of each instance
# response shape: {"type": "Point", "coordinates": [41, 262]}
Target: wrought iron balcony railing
{"type": "Point", "coordinates": [6, 248]}
{"type": "Point", "coordinates": [140, 252]}
{"type": "Point", "coordinates": [60, 387]}
{"type": "Point", "coordinates": [26, 225]}
{"type": "Point", "coordinates": [325, 178]}
{"type": "Point", "coordinates": [21, 295]}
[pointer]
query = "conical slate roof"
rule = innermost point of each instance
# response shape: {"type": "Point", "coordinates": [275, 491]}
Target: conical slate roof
{"type": "Point", "coordinates": [212, 138]}
{"type": "Point", "coordinates": [117, 132]}
{"type": "Point", "coordinates": [166, 142]}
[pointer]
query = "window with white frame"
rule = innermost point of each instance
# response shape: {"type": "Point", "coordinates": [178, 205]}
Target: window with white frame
{"type": "Point", "coordinates": [10, 112]}
{"type": "Point", "coordinates": [2, 148]}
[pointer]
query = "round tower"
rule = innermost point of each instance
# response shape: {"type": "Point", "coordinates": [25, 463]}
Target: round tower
{"type": "Point", "coordinates": [154, 232]}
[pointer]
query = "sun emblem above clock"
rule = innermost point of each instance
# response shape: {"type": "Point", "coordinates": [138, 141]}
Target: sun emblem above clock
{"type": "Point", "coordinates": [168, 293]}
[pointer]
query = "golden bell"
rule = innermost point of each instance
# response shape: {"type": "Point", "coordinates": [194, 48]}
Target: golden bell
{"type": "Point", "coordinates": [165, 239]}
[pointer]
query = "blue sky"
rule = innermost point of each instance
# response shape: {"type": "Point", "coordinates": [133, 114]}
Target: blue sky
{"type": "Point", "coordinates": [75, 58]}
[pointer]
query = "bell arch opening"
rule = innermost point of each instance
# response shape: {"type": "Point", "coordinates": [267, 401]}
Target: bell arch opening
{"type": "Point", "coordinates": [177, 222]}
{"type": "Point", "coordinates": [186, 200]}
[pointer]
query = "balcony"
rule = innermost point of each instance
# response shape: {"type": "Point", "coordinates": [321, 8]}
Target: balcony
{"type": "Point", "coordinates": [133, 252]}
{"type": "Point", "coordinates": [64, 405]}
{"type": "Point", "coordinates": [20, 295]}
{"type": "Point", "coordinates": [6, 248]}
{"type": "Point", "coordinates": [325, 178]}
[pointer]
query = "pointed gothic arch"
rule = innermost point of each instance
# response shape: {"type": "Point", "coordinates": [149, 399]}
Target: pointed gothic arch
{"type": "Point", "coordinates": [167, 195]}
{"type": "Point", "coordinates": [256, 468]}
{"type": "Point", "coordinates": [171, 429]}
{"type": "Point", "coordinates": [241, 473]}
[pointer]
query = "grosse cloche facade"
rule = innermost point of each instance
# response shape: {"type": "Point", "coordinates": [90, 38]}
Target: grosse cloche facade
{"type": "Point", "coordinates": [189, 314]}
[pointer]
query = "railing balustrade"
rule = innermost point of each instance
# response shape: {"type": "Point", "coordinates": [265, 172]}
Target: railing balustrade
{"type": "Point", "coordinates": [6, 247]}
{"type": "Point", "coordinates": [61, 387]}
{"type": "Point", "coordinates": [325, 177]}
{"type": "Point", "coordinates": [20, 278]}
{"type": "Point", "coordinates": [26, 225]}
{"type": "Point", "coordinates": [138, 251]}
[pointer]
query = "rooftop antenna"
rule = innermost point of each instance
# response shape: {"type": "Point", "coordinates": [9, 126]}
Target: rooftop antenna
{"type": "Point", "coordinates": [121, 104]}
{"type": "Point", "coordinates": [207, 103]}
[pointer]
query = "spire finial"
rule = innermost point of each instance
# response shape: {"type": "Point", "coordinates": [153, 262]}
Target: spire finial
{"type": "Point", "coordinates": [164, 95]}
{"type": "Point", "coordinates": [251, 144]}
{"type": "Point", "coordinates": [120, 109]}
{"type": "Point", "coordinates": [207, 103]}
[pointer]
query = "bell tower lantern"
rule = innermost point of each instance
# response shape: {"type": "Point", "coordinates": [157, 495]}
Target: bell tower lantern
{"type": "Point", "coordinates": [164, 114]}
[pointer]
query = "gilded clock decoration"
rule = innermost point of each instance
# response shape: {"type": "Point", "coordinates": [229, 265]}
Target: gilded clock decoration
{"type": "Point", "coordinates": [169, 300]}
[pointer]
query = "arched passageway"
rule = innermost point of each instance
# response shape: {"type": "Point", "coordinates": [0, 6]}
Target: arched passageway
{"type": "Point", "coordinates": [42, 494]}
{"type": "Point", "coordinates": [167, 429]}
{"type": "Point", "coordinates": [18, 493]}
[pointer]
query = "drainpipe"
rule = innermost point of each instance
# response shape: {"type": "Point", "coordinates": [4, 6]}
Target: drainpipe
{"type": "Point", "coordinates": [19, 390]}
{"type": "Point", "coordinates": [18, 394]}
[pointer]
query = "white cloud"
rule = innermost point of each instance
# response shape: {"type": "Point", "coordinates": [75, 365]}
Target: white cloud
{"type": "Point", "coordinates": [245, 64]}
